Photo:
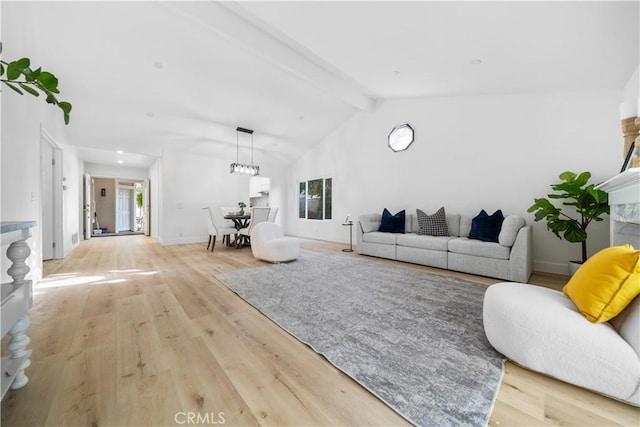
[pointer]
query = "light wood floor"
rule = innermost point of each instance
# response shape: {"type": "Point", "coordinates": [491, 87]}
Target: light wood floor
{"type": "Point", "coordinates": [126, 332]}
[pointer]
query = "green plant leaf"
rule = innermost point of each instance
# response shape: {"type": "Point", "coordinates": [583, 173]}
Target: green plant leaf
{"type": "Point", "coordinates": [568, 176]}
{"type": "Point", "coordinates": [35, 73]}
{"type": "Point", "coordinates": [29, 89]}
{"type": "Point", "coordinates": [48, 81]}
{"type": "Point", "coordinates": [583, 178]}
{"type": "Point", "coordinates": [65, 106]}
{"type": "Point", "coordinates": [12, 71]}
{"type": "Point", "coordinates": [575, 234]}
{"type": "Point", "coordinates": [51, 99]}
{"type": "Point", "coordinates": [1, 69]}
{"type": "Point", "coordinates": [66, 117]}
{"type": "Point", "coordinates": [14, 88]}
{"type": "Point", "coordinates": [22, 64]}
{"type": "Point", "coordinates": [0, 47]}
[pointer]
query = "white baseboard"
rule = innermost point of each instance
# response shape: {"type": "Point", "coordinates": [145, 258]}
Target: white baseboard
{"type": "Point", "coordinates": [551, 267]}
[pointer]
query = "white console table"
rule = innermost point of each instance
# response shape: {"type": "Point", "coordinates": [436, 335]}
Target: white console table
{"type": "Point", "coordinates": [16, 301]}
{"type": "Point", "coordinates": [624, 199]}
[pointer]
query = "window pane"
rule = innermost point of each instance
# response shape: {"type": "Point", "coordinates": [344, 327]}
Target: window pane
{"type": "Point", "coordinates": [302, 197]}
{"type": "Point", "coordinates": [327, 198]}
{"type": "Point", "coordinates": [315, 199]}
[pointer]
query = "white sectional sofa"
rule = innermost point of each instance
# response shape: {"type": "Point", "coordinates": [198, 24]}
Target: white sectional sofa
{"type": "Point", "coordinates": [509, 259]}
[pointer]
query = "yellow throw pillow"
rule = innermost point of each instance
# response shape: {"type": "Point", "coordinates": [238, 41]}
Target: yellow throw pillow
{"type": "Point", "coordinates": [605, 284]}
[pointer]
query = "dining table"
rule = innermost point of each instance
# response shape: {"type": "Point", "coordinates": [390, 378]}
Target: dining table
{"type": "Point", "coordinates": [239, 222]}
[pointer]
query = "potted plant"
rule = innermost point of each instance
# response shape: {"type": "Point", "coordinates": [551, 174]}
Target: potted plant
{"type": "Point", "coordinates": [589, 203]}
{"type": "Point", "coordinates": [241, 205]}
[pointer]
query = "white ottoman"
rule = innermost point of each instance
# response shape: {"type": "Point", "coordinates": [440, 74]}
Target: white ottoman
{"type": "Point", "coordinates": [541, 329]}
{"type": "Point", "coordinates": [269, 243]}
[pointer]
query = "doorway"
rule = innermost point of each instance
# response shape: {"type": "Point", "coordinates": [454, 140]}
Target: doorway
{"type": "Point", "coordinates": [116, 206]}
{"type": "Point", "coordinates": [124, 211]}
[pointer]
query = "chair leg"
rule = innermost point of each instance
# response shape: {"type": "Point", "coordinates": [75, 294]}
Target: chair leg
{"type": "Point", "coordinates": [214, 243]}
{"type": "Point", "coordinates": [209, 244]}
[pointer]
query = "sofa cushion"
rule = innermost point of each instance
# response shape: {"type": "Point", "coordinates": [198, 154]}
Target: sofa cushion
{"type": "Point", "coordinates": [509, 231]}
{"type": "Point", "coordinates": [627, 324]}
{"type": "Point", "coordinates": [434, 243]}
{"type": "Point", "coordinates": [369, 222]}
{"type": "Point", "coordinates": [606, 283]}
{"type": "Point", "coordinates": [392, 223]}
{"type": "Point", "coordinates": [486, 227]}
{"type": "Point", "coordinates": [379, 237]}
{"type": "Point", "coordinates": [453, 224]}
{"type": "Point", "coordinates": [465, 226]}
{"type": "Point", "coordinates": [466, 246]}
{"type": "Point", "coordinates": [432, 225]}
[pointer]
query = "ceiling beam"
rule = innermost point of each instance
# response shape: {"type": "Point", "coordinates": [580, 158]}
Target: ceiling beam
{"type": "Point", "coordinates": [239, 26]}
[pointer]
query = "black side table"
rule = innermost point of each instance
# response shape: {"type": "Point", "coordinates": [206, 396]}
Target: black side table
{"type": "Point", "coordinates": [350, 224]}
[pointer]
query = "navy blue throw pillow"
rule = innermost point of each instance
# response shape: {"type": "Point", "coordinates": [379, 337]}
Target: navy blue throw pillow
{"type": "Point", "coordinates": [392, 223]}
{"type": "Point", "coordinates": [485, 227]}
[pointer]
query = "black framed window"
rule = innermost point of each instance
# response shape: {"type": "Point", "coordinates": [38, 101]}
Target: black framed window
{"type": "Point", "coordinates": [314, 199]}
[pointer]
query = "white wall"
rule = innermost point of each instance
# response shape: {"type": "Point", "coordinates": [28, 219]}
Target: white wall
{"type": "Point", "coordinates": [190, 182]}
{"type": "Point", "coordinates": [470, 153]}
{"type": "Point", "coordinates": [632, 88]}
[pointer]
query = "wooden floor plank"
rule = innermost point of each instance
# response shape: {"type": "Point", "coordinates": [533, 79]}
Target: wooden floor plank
{"type": "Point", "coordinates": [208, 389]}
{"type": "Point", "coordinates": [126, 332]}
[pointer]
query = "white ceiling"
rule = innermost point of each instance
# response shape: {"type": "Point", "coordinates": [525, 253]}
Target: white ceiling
{"type": "Point", "coordinates": [146, 77]}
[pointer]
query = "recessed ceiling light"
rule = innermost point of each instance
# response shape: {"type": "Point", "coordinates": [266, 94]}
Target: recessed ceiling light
{"type": "Point", "coordinates": [151, 115]}
{"type": "Point", "coordinates": [159, 65]}
{"type": "Point", "coordinates": [476, 62]}
{"type": "Point", "coordinates": [301, 118]}
{"type": "Point", "coordinates": [119, 151]}
{"type": "Point", "coordinates": [395, 72]}
{"type": "Point", "coordinates": [120, 161]}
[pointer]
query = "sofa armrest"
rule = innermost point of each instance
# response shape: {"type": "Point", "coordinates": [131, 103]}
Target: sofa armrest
{"type": "Point", "coordinates": [359, 236]}
{"type": "Point", "coordinates": [365, 224]}
{"type": "Point", "coordinates": [521, 257]}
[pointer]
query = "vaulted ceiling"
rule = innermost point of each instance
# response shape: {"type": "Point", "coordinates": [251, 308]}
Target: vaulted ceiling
{"type": "Point", "coordinates": [144, 77]}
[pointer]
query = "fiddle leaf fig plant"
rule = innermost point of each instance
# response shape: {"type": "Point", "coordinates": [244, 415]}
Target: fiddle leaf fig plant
{"type": "Point", "coordinates": [19, 76]}
{"type": "Point", "coordinates": [590, 204]}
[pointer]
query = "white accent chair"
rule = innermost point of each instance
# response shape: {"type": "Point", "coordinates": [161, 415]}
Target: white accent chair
{"type": "Point", "coordinates": [258, 215]}
{"type": "Point", "coordinates": [268, 243]}
{"type": "Point", "coordinates": [541, 329]}
{"type": "Point", "coordinates": [273, 213]}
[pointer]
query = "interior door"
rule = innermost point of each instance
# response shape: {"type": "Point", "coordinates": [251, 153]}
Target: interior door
{"type": "Point", "coordinates": [146, 219]}
{"type": "Point", "coordinates": [123, 209]}
{"type": "Point", "coordinates": [46, 168]}
{"type": "Point", "coordinates": [87, 210]}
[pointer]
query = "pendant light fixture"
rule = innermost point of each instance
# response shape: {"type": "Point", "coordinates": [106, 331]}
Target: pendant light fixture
{"type": "Point", "coordinates": [242, 168]}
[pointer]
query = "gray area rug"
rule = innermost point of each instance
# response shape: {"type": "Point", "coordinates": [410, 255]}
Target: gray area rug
{"type": "Point", "coordinates": [412, 338]}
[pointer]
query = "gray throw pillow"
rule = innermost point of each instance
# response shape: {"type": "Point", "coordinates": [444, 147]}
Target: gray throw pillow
{"type": "Point", "coordinates": [432, 225]}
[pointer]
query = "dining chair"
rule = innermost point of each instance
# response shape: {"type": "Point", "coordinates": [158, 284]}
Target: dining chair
{"type": "Point", "coordinates": [225, 227]}
{"type": "Point", "coordinates": [213, 231]}
{"type": "Point", "coordinates": [273, 213]}
{"type": "Point", "coordinates": [258, 215]}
